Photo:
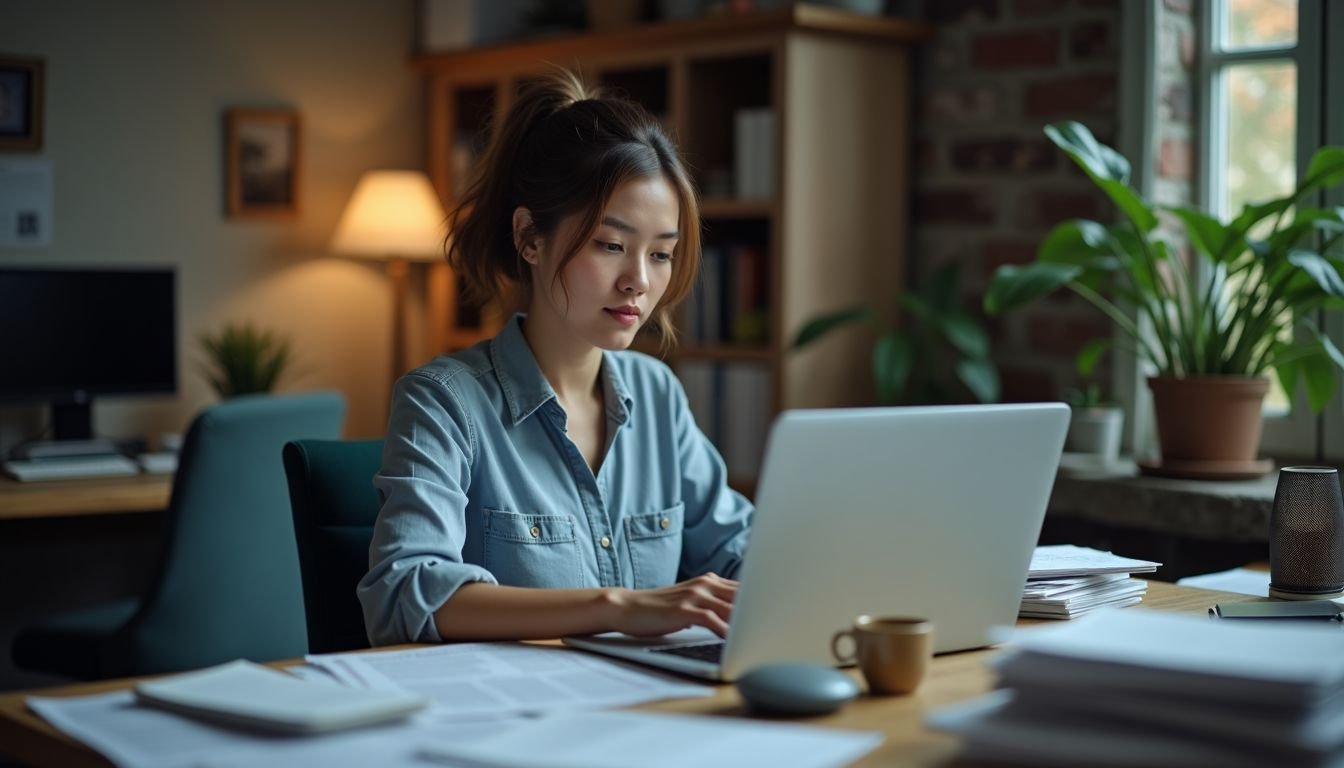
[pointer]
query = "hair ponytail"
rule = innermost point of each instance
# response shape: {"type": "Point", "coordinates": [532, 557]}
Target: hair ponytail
{"type": "Point", "coordinates": [563, 149]}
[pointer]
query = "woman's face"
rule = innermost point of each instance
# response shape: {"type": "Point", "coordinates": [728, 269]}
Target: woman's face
{"type": "Point", "coordinates": [621, 270]}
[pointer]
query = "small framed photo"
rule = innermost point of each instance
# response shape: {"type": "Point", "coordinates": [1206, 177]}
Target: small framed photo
{"type": "Point", "coordinates": [20, 103]}
{"type": "Point", "coordinates": [262, 162]}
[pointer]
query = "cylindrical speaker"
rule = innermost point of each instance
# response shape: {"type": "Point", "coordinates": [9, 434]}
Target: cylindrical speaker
{"type": "Point", "coordinates": [1306, 535]}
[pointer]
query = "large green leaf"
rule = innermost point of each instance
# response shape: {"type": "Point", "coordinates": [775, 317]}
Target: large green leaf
{"type": "Point", "coordinates": [1318, 373]}
{"type": "Point", "coordinates": [981, 377]}
{"type": "Point", "coordinates": [1326, 168]}
{"type": "Point", "coordinates": [1097, 159]}
{"type": "Point", "coordinates": [1108, 169]}
{"type": "Point", "coordinates": [1090, 355]}
{"type": "Point", "coordinates": [1207, 234]}
{"type": "Point", "coordinates": [941, 287]}
{"type": "Point", "coordinates": [1320, 269]}
{"type": "Point", "coordinates": [1078, 241]}
{"type": "Point", "coordinates": [823, 324]}
{"type": "Point", "coordinates": [893, 357]}
{"type": "Point", "coordinates": [964, 333]}
{"type": "Point", "coordinates": [1288, 369]}
{"type": "Point", "coordinates": [1017, 286]}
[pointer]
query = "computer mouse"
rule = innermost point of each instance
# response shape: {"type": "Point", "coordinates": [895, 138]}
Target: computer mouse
{"type": "Point", "coordinates": [796, 688]}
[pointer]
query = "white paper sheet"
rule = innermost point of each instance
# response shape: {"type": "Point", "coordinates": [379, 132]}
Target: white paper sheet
{"type": "Point", "coordinates": [1068, 560]}
{"type": "Point", "coordinates": [1239, 580]}
{"type": "Point", "coordinates": [25, 203]}
{"type": "Point", "coordinates": [132, 735]}
{"type": "Point", "coordinates": [506, 678]}
{"type": "Point", "coordinates": [654, 740]}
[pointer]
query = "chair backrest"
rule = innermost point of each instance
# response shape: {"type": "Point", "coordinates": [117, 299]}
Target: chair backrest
{"type": "Point", "coordinates": [228, 582]}
{"type": "Point", "coordinates": [335, 505]}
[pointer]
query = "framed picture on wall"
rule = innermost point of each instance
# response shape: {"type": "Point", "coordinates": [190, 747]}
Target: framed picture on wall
{"type": "Point", "coordinates": [262, 162]}
{"type": "Point", "coordinates": [20, 103]}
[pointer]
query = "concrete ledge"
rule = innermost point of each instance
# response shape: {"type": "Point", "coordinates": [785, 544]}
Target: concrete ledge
{"type": "Point", "coordinates": [1231, 511]}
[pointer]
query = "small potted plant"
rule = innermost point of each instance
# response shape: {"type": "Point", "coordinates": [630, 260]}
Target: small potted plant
{"type": "Point", "coordinates": [244, 359]}
{"type": "Point", "coordinates": [1243, 304]}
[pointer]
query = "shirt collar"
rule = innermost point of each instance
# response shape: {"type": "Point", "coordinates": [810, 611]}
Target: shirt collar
{"type": "Point", "coordinates": [525, 387]}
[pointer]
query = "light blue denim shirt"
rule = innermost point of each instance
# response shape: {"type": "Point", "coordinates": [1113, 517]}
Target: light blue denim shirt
{"type": "Point", "coordinates": [479, 482]}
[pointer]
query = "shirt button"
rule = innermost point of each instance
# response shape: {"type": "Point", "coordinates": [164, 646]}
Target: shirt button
{"type": "Point", "coordinates": [665, 523]}
{"type": "Point", "coordinates": [605, 542]}
{"type": "Point", "coordinates": [536, 531]}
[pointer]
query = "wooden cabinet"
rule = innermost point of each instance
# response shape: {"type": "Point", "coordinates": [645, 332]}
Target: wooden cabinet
{"type": "Point", "coordinates": [796, 125]}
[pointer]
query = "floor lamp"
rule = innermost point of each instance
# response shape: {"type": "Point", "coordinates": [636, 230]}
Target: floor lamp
{"type": "Point", "coordinates": [393, 215]}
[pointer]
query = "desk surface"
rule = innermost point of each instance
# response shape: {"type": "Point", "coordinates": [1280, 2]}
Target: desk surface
{"type": "Point", "coordinates": [92, 496]}
{"type": "Point", "coordinates": [953, 677]}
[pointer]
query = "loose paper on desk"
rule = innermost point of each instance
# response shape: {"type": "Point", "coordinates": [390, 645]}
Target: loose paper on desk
{"type": "Point", "coordinates": [1067, 560]}
{"type": "Point", "coordinates": [506, 678]}
{"type": "Point", "coordinates": [129, 734]}
{"type": "Point", "coordinates": [652, 740]}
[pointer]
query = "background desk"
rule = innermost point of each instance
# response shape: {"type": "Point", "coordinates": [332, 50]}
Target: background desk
{"type": "Point", "coordinates": [68, 544]}
{"type": "Point", "coordinates": [94, 496]}
{"type": "Point", "coordinates": [953, 677]}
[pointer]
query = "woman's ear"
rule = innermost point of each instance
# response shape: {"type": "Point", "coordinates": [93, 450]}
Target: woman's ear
{"type": "Point", "coordinates": [525, 235]}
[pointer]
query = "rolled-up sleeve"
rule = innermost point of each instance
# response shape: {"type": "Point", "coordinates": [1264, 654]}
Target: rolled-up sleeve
{"type": "Point", "coordinates": [415, 558]}
{"type": "Point", "coordinates": [718, 519]}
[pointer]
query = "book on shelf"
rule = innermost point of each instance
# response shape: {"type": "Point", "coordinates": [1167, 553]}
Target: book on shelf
{"type": "Point", "coordinates": [731, 403]}
{"type": "Point", "coordinates": [729, 303]}
{"type": "Point", "coordinates": [754, 153]}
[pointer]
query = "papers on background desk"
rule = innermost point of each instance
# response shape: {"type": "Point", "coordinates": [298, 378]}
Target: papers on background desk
{"type": "Point", "coordinates": [1065, 581]}
{"type": "Point", "coordinates": [1146, 688]}
{"type": "Point", "coordinates": [477, 690]}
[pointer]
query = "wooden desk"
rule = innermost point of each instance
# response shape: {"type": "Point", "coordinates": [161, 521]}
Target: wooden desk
{"type": "Point", "coordinates": [77, 498]}
{"type": "Point", "coordinates": [953, 677]}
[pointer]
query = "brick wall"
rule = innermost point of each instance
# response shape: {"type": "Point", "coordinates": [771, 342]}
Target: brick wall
{"type": "Point", "coordinates": [988, 185]}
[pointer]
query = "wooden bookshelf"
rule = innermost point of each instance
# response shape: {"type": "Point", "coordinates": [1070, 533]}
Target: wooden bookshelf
{"type": "Point", "coordinates": [830, 231]}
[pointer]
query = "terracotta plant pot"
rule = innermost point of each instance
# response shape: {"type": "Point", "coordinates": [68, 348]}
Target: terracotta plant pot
{"type": "Point", "coordinates": [1209, 418]}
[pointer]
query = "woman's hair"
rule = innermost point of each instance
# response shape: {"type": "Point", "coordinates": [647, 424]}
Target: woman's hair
{"type": "Point", "coordinates": [562, 149]}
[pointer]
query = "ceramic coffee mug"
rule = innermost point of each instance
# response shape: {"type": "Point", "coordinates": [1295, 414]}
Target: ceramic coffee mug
{"type": "Point", "coordinates": [893, 652]}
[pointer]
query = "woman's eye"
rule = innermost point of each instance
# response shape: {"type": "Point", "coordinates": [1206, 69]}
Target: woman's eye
{"type": "Point", "coordinates": [610, 247]}
{"type": "Point", "coordinates": [662, 257]}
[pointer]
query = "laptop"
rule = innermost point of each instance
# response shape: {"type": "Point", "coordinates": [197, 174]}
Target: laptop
{"type": "Point", "coordinates": [927, 511]}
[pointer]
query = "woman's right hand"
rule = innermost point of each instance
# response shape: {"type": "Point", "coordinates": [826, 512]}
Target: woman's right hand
{"type": "Point", "coordinates": [704, 601]}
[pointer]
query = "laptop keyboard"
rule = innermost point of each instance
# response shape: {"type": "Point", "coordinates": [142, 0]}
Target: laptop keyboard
{"type": "Point", "coordinates": [711, 652]}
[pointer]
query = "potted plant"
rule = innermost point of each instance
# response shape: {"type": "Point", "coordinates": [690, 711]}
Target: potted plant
{"type": "Point", "coordinates": [243, 359]}
{"type": "Point", "coordinates": [1241, 306]}
{"type": "Point", "coordinates": [934, 345]}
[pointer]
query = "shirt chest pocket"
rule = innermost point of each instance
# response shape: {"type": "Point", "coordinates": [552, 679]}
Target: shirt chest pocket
{"type": "Point", "coordinates": [655, 546]}
{"type": "Point", "coordinates": [531, 550]}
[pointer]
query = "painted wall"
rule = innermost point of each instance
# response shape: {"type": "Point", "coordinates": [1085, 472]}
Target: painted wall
{"type": "Point", "coordinates": [135, 99]}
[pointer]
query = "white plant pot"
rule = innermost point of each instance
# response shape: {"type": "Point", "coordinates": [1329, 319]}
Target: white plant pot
{"type": "Point", "coordinates": [1096, 431]}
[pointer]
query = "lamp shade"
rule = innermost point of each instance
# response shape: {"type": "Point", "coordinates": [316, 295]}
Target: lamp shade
{"type": "Point", "coordinates": [392, 213]}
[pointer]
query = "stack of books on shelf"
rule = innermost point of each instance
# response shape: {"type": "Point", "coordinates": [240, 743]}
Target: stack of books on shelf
{"type": "Point", "coordinates": [754, 153]}
{"type": "Point", "coordinates": [729, 302]}
{"type": "Point", "coordinates": [1066, 581]}
{"type": "Point", "coordinates": [731, 405]}
{"type": "Point", "coordinates": [1140, 688]}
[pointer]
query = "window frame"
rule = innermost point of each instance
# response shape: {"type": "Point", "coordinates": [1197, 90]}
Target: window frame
{"type": "Point", "coordinates": [1299, 433]}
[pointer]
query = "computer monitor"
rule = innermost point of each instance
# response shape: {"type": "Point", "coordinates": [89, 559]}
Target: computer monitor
{"type": "Point", "coordinates": [68, 335]}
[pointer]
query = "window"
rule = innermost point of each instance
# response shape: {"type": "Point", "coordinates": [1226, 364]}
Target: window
{"type": "Point", "coordinates": [1263, 77]}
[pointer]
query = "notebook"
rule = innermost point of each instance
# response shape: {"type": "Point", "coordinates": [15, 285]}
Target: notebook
{"type": "Point", "coordinates": [930, 511]}
{"type": "Point", "coordinates": [241, 693]}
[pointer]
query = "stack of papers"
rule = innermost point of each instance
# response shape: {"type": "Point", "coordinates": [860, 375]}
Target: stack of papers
{"type": "Point", "coordinates": [1065, 581]}
{"type": "Point", "coordinates": [495, 704]}
{"type": "Point", "coordinates": [1148, 688]}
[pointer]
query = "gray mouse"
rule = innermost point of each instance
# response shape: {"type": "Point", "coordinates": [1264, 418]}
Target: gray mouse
{"type": "Point", "coordinates": [796, 688]}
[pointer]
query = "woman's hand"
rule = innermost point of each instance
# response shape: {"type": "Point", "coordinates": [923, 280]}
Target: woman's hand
{"type": "Point", "coordinates": [705, 601]}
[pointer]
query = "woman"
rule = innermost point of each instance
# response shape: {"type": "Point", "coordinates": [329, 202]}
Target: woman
{"type": "Point", "coordinates": [547, 482]}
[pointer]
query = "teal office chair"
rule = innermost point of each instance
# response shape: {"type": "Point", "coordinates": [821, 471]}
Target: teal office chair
{"type": "Point", "coordinates": [335, 505]}
{"type": "Point", "coordinates": [227, 585]}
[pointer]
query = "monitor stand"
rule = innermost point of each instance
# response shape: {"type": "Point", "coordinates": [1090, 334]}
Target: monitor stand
{"type": "Point", "coordinates": [72, 435]}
